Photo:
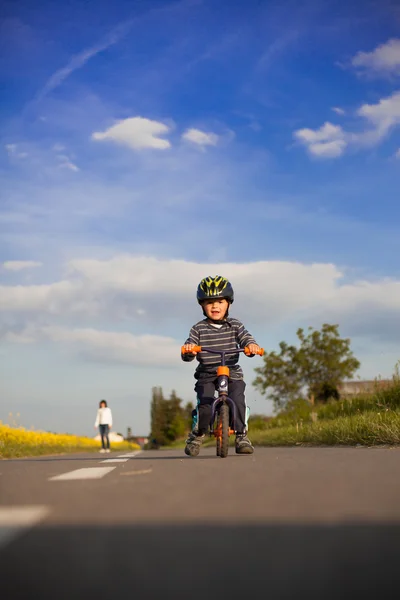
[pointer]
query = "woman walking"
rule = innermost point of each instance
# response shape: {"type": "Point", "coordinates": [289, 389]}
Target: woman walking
{"type": "Point", "coordinates": [104, 422]}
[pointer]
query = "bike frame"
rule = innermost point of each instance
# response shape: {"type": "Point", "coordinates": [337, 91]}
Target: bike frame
{"type": "Point", "coordinates": [223, 387]}
{"type": "Point", "coordinates": [223, 383]}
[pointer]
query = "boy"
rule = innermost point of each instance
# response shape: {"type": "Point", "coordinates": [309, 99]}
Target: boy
{"type": "Point", "coordinates": [217, 330]}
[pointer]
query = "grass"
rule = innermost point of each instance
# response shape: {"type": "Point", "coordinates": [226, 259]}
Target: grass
{"type": "Point", "coordinates": [368, 420]}
{"type": "Point", "coordinates": [383, 400]}
{"type": "Point", "coordinates": [17, 442]}
{"type": "Point", "coordinates": [368, 429]}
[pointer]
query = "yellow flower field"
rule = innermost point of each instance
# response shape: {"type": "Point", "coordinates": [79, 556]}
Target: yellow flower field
{"type": "Point", "coordinates": [20, 442]}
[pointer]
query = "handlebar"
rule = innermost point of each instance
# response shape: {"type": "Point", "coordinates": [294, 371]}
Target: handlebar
{"type": "Point", "coordinates": [197, 349]}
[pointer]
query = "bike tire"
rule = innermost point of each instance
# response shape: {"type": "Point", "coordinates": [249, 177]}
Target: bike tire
{"type": "Point", "coordinates": [217, 432]}
{"type": "Point", "coordinates": [224, 420]}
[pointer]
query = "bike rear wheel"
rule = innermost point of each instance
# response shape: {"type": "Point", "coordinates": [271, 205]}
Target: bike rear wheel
{"type": "Point", "coordinates": [223, 431]}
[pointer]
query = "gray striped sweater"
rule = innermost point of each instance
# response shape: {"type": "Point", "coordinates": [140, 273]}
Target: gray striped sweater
{"type": "Point", "coordinates": [230, 336]}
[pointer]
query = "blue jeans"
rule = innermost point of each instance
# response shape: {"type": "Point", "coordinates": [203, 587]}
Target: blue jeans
{"type": "Point", "coordinates": [105, 440]}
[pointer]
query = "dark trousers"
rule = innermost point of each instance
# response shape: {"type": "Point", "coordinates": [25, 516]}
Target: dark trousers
{"type": "Point", "coordinates": [205, 396]}
{"type": "Point", "coordinates": [105, 440]}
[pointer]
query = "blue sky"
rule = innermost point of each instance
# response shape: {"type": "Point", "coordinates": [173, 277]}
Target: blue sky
{"type": "Point", "coordinates": [145, 145]}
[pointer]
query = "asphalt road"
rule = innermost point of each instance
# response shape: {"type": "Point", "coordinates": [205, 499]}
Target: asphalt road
{"type": "Point", "coordinates": [282, 524]}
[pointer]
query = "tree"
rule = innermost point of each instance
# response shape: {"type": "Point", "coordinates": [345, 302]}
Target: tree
{"type": "Point", "coordinates": [158, 417]}
{"type": "Point", "coordinates": [316, 368]}
{"type": "Point", "coordinates": [188, 415]}
{"type": "Point", "coordinates": [280, 375]}
{"type": "Point", "coordinates": [175, 418]}
{"type": "Point", "coordinates": [169, 420]}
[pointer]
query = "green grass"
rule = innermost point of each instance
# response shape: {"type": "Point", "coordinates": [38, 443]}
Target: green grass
{"type": "Point", "coordinates": [381, 401]}
{"type": "Point", "coordinates": [369, 428]}
{"type": "Point", "coordinates": [368, 419]}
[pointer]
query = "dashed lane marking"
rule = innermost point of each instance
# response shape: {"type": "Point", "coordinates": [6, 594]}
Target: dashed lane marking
{"type": "Point", "coordinates": [131, 454]}
{"type": "Point", "coordinates": [14, 520]}
{"type": "Point", "coordinates": [85, 473]}
{"type": "Point", "coordinates": [115, 460]}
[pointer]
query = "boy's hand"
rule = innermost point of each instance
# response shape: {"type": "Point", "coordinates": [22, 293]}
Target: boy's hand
{"type": "Point", "coordinates": [189, 348]}
{"type": "Point", "coordinates": [254, 348]}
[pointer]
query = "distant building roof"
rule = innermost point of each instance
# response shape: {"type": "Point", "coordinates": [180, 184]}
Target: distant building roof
{"type": "Point", "coordinates": [359, 387]}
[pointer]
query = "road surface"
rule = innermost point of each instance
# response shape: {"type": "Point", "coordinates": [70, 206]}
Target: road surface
{"type": "Point", "coordinates": [285, 523]}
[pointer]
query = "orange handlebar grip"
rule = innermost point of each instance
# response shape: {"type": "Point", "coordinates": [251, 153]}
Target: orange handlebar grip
{"type": "Point", "coordinates": [248, 353]}
{"type": "Point", "coordinates": [194, 349]}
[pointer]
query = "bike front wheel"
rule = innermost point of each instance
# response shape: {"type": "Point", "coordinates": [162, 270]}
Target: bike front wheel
{"type": "Point", "coordinates": [223, 431]}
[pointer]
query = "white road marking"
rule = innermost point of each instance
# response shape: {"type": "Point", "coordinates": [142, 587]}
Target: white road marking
{"type": "Point", "coordinates": [131, 454]}
{"type": "Point", "coordinates": [86, 473]}
{"type": "Point", "coordinates": [15, 519]}
{"type": "Point", "coordinates": [113, 460]}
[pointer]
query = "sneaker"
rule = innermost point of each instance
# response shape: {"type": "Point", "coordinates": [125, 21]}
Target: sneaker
{"type": "Point", "coordinates": [108, 450]}
{"type": "Point", "coordinates": [243, 444]}
{"type": "Point", "coordinates": [193, 444]}
{"type": "Point", "coordinates": [102, 451]}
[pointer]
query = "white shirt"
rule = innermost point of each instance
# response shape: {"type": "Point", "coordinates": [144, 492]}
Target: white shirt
{"type": "Point", "coordinates": [104, 417]}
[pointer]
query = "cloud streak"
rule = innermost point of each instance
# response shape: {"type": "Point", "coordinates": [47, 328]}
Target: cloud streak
{"type": "Point", "coordinates": [79, 60]}
{"type": "Point", "coordinates": [19, 265]}
{"type": "Point", "coordinates": [111, 38]}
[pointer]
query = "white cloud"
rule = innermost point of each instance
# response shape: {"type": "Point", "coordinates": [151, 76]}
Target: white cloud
{"type": "Point", "coordinates": [147, 290]}
{"type": "Point", "coordinates": [19, 338]}
{"type": "Point", "coordinates": [54, 298]}
{"type": "Point", "coordinates": [383, 61]}
{"type": "Point", "coordinates": [329, 141]}
{"type": "Point", "coordinates": [136, 133]}
{"type": "Point", "coordinates": [130, 283]}
{"type": "Point", "coordinates": [152, 295]}
{"type": "Point", "coordinates": [18, 265]}
{"type": "Point", "coordinates": [397, 155]}
{"type": "Point", "coordinates": [110, 346]}
{"type": "Point", "coordinates": [383, 116]}
{"type": "Point", "coordinates": [338, 110]}
{"type": "Point", "coordinates": [67, 164]}
{"type": "Point", "coordinates": [12, 150]}
{"type": "Point", "coordinates": [202, 138]}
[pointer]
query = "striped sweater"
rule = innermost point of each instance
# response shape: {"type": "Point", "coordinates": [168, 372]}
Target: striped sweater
{"type": "Point", "coordinates": [231, 335]}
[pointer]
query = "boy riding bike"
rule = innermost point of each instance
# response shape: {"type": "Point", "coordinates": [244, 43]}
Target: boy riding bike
{"type": "Point", "coordinates": [217, 330]}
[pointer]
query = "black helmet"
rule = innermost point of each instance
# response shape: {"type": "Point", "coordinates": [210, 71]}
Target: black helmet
{"type": "Point", "coordinates": [217, 287]}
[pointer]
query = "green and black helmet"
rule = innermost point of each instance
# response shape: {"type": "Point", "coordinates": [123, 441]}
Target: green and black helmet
{"type": "Point", "coordinates": [214, 288]}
